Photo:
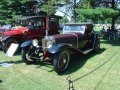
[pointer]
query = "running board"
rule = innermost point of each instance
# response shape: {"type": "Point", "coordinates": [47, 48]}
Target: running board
{"type": "Point", "coordinates": [87, 51]}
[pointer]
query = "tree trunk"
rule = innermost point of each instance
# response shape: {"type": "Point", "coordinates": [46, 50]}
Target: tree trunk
{"type": "Point", "coordinates": [74, 14]}
{"type": "Point", "coordinates": [113, 18]}
{"type": "Point", "coordinates": [113, 23]}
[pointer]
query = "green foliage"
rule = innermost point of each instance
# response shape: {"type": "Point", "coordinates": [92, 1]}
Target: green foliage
{"type": "Point", "coordinates": [49, 7]}
{"type": "Point", "coordinates": [84, 4]}
{"type": "Point", "coordinates": [10, 9]}
{"type": "Point", "coordinates": [98, 13]}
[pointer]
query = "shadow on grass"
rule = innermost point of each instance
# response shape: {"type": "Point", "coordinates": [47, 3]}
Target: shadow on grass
{"type": "Point", "coordinates": [12, 62]}
{"type": "Point", "coordinates": [17, 53]}
{"type": "Point", "coordinates": [1, 81]}
{"type": "Point", "coordinates": [112, 42]}
{"type": "Point", "coordinates": [41, 65]}
{"type": "Point", "coordinates": [78, 61]}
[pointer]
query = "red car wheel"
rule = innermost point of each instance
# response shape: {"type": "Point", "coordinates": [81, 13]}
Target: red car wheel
{"type": "Point", "coordinates": [7, 44]}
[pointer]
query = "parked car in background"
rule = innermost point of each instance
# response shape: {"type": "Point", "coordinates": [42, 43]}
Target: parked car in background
{"type": "Point", "coordinates": [30, 27]}
{"type": "Point", "coordinates": [3, 28]}
{"type": "Point", "coordinates": [57, 49]}
{"type": "Point", "coordinates": [1, 35]}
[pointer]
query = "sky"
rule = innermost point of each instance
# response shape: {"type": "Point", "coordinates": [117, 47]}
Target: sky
{"type": "Point", "coordinates": [66, 10]}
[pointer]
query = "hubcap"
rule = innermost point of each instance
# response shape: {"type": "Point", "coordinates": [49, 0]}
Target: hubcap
{"type": "Point", "coordinates": [64, 61]}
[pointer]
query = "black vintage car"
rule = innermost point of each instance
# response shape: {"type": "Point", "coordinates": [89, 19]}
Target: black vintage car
{"type": "Point", "coordinates": [58, 48]}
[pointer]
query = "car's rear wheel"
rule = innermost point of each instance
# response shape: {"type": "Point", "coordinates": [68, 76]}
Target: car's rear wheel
{"type": "Point", "coordinates": [97, 45]}
{"type": "Point", "coordinates": [7, 44]}
{"type": "Point", "coordinates": [26, 55]}
{"type": "Point", "coordinates": [61, 61]}
{"type": "Point", "coordinates": [1, 45]}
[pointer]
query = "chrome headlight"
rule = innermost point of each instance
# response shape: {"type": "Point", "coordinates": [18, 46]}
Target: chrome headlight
{"type": "Point", "coordinates": [49, 41]}
{"type": "Point", "coordinates": [35, 42]}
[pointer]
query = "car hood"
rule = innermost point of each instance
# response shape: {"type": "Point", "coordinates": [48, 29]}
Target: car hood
{"type": "Point", "coordinates": [69, 38]}
{"type": "Point", "coordinates": [17, 31]}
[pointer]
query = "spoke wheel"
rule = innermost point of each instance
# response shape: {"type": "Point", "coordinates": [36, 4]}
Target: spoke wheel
{"type": "Point", "coordinates": [26, 55]}
{"type": "Point", "coordinates": [61, 61]}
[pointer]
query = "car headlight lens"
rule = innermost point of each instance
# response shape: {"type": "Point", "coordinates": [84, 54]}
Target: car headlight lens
{"type": "Point", "coordinates": [35, 42]}
{"type": "Point", "coordinates": [49, 44]}
{"type": "Point", "coordinates": [49, 41]}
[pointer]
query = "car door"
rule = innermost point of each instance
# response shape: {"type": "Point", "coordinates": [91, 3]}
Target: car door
{"type": "Point", "coordinates": [34, 32]}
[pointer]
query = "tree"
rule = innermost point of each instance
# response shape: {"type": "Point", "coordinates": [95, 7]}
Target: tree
{"type": "Point", "coordinates": [98, 13]}
{"type": "Point", "coordinates": [9, 9]}
{"type": "Point", "coordinates": [50, 6]}
{"type": "Point", "coordinates": [99, 10]}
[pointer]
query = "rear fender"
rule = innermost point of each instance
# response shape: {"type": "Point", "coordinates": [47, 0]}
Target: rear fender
{"type": "Point", "coordinates": [26, 43]}
{"type": "Point", "coordinates": [4, 40]}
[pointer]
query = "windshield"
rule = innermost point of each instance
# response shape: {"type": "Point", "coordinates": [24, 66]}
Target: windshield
{"type": "Point", "coordinates": [75, 28]}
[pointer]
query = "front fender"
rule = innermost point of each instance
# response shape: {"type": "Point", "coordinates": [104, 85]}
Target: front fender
{"type": "Point", "coordinates": [5, 38]}
{"type": "Point", "coordinates": [26, 43]}
{"type": "Point", "coordinates": [55, 48]}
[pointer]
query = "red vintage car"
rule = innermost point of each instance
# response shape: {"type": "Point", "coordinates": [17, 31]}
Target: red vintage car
{"type": "Point", "coordinates": [3, 28]}
{"type": "Point", "coordinates": [31, 27]}
{"type": "Point", "coordinates": [1, 35]}
{"type": "Point", "coordinates": [58, 48]}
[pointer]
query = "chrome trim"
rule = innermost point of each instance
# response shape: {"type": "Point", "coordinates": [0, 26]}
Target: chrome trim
{"type": "Point", "coordinates": [45, 40]}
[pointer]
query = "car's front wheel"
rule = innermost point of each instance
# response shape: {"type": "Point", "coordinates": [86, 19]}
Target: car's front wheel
{"type": "Point", "coordinates": [26, 55]}
{"type": "Point", "coordinates": [61, 61]}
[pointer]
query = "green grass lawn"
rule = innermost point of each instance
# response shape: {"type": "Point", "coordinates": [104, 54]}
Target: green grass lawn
{"type": "Point", "coordinates": [102, 72]}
